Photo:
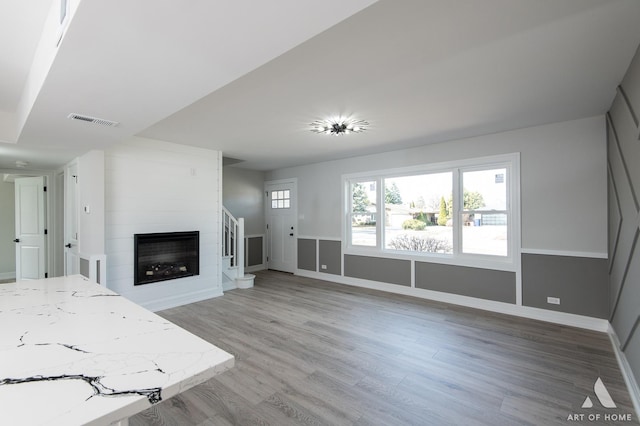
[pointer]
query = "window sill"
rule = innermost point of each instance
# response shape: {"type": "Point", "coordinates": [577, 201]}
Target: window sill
{"type": "Point", "coordinates": [472, 261]}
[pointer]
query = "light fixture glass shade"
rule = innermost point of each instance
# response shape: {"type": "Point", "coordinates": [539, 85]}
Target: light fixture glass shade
{"type": "Point", "coordinates": [339, 126]}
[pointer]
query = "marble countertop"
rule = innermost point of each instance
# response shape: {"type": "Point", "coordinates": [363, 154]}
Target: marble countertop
{"type": "Point", "coordinates": [73, 352]}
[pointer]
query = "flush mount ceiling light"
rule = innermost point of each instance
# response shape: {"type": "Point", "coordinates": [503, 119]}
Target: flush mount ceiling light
{"type": "Point", "coordinates": [339, 126]}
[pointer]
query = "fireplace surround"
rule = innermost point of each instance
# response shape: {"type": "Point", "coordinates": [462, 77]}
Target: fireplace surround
{"type": "Point", "coordinates": [165, 256]}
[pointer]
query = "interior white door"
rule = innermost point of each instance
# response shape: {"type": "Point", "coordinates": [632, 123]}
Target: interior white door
{"type": "Point", "coordinates": [31, 254]}
{"type": "Point", "coordinates": [71, 247]}
{"type": "Point", "coordinates": [281, 217]}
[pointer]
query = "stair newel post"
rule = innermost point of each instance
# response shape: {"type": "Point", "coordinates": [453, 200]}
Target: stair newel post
{"type": "Point", "coordinates": [240, 247]}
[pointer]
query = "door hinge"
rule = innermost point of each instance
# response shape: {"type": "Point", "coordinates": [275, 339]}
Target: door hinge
{"type": "Point", "coordinates": [45, 189]}
{"type": "Point", "coordinates": [267, 258]}
{"type": "Point", "coordinates": [46, 232]}
{"type": "Point", "coordinates": [46, 275]}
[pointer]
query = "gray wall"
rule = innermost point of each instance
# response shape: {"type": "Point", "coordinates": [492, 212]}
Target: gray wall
{"type": "Point", "coordinates": [255, 253]}
{"type": "Point", "coordinates": [307, 254]}
{"type": "Point", "coordinates": [7, 228]}
{"type": "Point", "coordinates": [392, 271]}
{"type": "Point", "coordinates": [556, 160]}
{"type": "Point", "coordinates": [579, 283]}
{"type": "Point", "coordinates": [320, 255]}
{"type": "Point", "coordinates": [330, 257]}
{"type": "Point", "coordinates": [243, 196]}
{"type": "Point", "coordinates": [623, 142]}
{"type": "Point", "coordinates": [563, 170]}
{"type": "Point", "coordinates": [475, 282]}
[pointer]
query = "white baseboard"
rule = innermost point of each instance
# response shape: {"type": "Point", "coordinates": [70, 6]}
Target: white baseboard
{"type": "Point", "coordinates": [627, 372]}
{"type": "Point", "coordinates": [8, 275]}
{"type": "Point", "coordinates": [179, 300]}
{"type": "Point", "coordinates": [562, 318]}
{"type": "Point", "coordinates": [255, 268]}
{"type": "Point", "coordinates": [229, 285]}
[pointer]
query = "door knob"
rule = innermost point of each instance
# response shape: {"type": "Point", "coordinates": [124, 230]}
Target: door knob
{"type": "Point", "coordinates": [68, 245]}
{"type": "Point", "coordinates": [17, 240]}
{"type": "Point", "coordinates": [291, 234]}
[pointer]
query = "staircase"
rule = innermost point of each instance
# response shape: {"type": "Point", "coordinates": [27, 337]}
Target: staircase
{"type": "Point", "coordinates": [233, 275]}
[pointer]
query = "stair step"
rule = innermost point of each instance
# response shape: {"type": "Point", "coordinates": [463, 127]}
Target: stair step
{"type": "Point", "coordinates": [246, 281]}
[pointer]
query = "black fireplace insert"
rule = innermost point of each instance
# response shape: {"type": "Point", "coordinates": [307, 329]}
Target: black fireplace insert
{"type": "Point", "coordinates": [165, 256]}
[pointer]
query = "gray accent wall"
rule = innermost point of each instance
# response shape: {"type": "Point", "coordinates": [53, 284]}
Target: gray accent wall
{"type": "Point", "coordinates": [255, 256]}
{"type": "Point", "coordinates": [392, 271]}
{"type": "Point", "coordinates": [561, 165]}
{"type": "Point", "coordinates": [329, 256]}
{"type": "Point", "coordinates": [243, 196]}
{"type": "Point", "coordinates": [475, 282]}
{"type": "Point", "coordinates": [307, 254]}
{"type": "Point", "coordinates": [7, 229]}
{"type": "Point", "coordinates": [623, 146]}
{"type": "Point", "coordinates": [581, 284]}
{"type": "Point", "coordinates": [84, 267]}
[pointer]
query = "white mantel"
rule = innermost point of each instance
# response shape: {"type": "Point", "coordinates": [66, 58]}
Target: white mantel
{"type": "Point", "coordinates": [73, 352]}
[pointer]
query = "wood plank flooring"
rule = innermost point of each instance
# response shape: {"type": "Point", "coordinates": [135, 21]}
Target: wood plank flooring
{"type": "Point", "coordinates": [315, 353]}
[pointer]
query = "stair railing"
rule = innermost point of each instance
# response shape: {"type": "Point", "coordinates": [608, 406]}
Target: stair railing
{"type": "Point", "coordinates": [233, 240]}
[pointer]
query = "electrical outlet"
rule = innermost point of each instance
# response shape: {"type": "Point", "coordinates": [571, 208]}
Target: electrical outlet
{"type": "Point", "coordinates": [553, 300]}
{"type": "Point", "coordinates": [323, 266]}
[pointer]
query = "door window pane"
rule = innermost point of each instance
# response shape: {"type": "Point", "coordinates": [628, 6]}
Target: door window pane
{"type": "Point", "coordinates": [418, 213]}
{"type": "Point", "coordinates": [281, 199]}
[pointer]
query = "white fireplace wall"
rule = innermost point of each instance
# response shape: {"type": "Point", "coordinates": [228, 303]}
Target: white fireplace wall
{"type": "Point", "coordinates": [156, 186]}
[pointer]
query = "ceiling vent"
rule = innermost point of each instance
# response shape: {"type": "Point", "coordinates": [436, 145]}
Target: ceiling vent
{"type": "Point", "coordinates": [93, 120]}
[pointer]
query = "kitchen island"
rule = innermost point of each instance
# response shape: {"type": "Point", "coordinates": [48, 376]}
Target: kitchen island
{"type": "Point", "coordinates": [73, 353]}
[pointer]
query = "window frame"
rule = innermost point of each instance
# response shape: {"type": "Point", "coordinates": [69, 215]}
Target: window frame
{"type": "Point", "coordinates": [510, 162]}
{"type": "Point", "coordinates": [349, 211]}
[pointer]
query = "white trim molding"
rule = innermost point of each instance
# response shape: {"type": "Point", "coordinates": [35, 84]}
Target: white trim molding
{"type": "Point", "coordinates": [625, 369]}
{"type": "Point", "coordinates": [307, 237]}
{"type": "Point", "coordinates": [568, 253]}
{"type": "Point", "coordinates": [179, 300]}
{"type": "Point", "coordinates": [255, 268]}
{"type": "Point", "coordinates": [8, 275]}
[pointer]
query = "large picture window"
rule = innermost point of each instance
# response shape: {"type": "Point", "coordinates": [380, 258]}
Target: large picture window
{"type": "Point", "coordinates": [416, 215]}
{"type": "Point", "coordinates": [463, 209]}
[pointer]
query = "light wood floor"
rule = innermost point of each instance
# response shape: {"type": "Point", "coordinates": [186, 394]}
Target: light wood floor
{"type": "Point", "coordinates": [313, 352]}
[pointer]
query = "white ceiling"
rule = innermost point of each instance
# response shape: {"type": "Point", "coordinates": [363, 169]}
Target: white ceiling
{"type": "Point", "coordinates": [248, 77]}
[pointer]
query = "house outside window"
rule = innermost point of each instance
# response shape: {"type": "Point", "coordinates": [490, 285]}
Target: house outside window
{"type": "Point", "coordinates": [466, 209]}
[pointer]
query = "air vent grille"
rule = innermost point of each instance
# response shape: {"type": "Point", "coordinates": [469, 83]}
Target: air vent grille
{"type": "Point", "coordinates": [93, 120]}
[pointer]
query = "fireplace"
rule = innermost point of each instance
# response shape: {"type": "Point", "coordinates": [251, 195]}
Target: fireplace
{"type": "Point", "coordinates": [165, 256]}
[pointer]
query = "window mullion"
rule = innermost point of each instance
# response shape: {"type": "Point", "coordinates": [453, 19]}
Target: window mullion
{"type": "Point", "coordinates": [456, 212]}
{"type": "Point", "coordinates": [381, 213]}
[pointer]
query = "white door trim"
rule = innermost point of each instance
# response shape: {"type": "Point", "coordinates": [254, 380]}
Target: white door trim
{"type": "Point", "coordinates": [71, 214]}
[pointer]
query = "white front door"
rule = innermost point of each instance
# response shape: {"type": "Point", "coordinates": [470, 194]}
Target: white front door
{"type": "Point", "coordinates": [71, 249]}
{"type": "Point", "coordinates": [31, 254]}
{"type": "Point", "coordinates": [281, 216]}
